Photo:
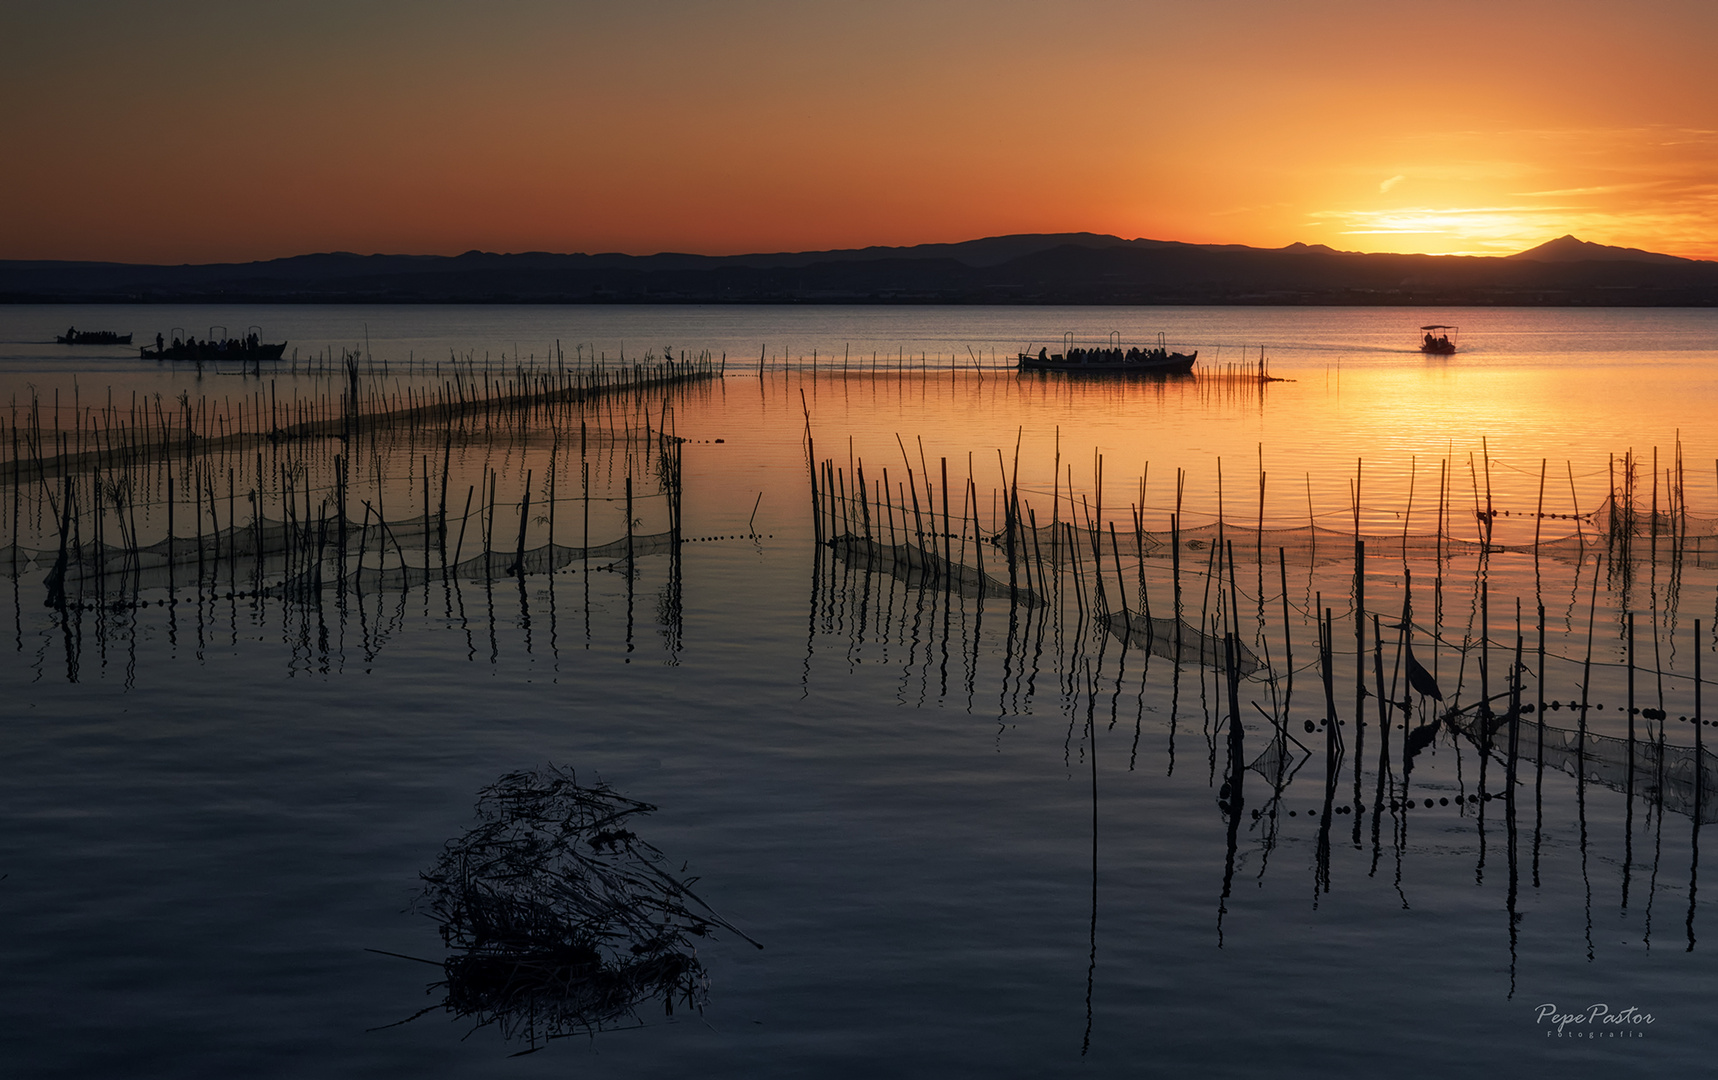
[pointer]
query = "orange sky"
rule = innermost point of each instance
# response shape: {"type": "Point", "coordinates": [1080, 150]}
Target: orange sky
{"type": "Point", "coordinates": [172, 132]}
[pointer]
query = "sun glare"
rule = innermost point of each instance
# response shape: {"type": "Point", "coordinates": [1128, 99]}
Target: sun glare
{"type": "Point", "coordinates": [1485, 230]}
{"type": "Point", "coordinates": [1497, 192]}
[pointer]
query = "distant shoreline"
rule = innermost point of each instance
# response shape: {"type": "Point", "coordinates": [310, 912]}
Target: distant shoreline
{"type": "Point", "coordinates": [1080, 269]}
{"type": "Point", "coordinates": [356, 301]}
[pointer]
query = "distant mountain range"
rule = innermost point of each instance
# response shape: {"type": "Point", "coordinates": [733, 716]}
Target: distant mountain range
{"type": "Point", "coordinates": [1046, 268]}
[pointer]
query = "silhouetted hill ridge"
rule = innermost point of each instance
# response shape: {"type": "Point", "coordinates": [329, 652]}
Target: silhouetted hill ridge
{"type": "Point", "coordinates": [1567, 248]}
{"type": "Point", "coordinates": [1074, 268]}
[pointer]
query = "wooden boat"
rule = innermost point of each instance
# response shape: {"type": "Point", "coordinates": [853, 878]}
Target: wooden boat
{"type": "Point", "coordinates": [74, 336]}
{"type": "Point", "coordinates": [1439, 340]}
{"type": "Point", "coordinates": [214, 348]}
{"type": "Point", "coordinates": [1111, 359]}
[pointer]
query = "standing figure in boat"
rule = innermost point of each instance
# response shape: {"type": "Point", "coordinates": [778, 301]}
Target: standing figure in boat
{"type": "Point", "coordinates": [250, 348]}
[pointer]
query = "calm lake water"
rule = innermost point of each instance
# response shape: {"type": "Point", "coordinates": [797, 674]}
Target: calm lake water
{"type": "Point", "coordinates": [972, 837]}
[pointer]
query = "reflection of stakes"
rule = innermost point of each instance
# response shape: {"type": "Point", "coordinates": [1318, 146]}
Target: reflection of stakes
{"type": "Point", "coordinates": [1069, 551]}
{"type": "Point", "coordinates": [284, 547]}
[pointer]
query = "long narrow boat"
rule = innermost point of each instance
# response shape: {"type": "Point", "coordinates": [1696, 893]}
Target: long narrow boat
{"type": "Point", "coordinates": [249, 348]}
{"type": "Point", "coordinates": [75, 336]}
{"type": "Point", "coordinates": [1112, 360]}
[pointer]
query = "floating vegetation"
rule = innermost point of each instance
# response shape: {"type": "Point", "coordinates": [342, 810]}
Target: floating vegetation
{"type": "Point", "coordinates": [560, 919]}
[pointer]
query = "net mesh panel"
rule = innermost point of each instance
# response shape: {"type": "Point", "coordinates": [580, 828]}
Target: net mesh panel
{"type": "Point", "coordinates": [1275, 763]}
{"type": "Point", "coordinates": [538, 560]}
{"type": "Point", "coordinates": [1178, 640]}
{"type": "Point", "coordinates": [1695, 538]}
{"type": "Point", "coordinates": [1170, 638]}
{"type": "Point", "coordinates": [1675, 774]}
{"type": "Point", "coordinates": [922, 568]}
{"type": "Point", "coordinates": [275, 549]}
{"type": "Point", "coordinates": [1614, 522]}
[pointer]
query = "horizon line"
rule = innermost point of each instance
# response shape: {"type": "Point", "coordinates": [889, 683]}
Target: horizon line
{"type": "Point", "coordinates": [782, 252]}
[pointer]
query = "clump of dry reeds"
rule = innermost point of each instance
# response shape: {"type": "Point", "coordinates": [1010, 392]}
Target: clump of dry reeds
{"type": "Point", "coordinates": [561, 921]}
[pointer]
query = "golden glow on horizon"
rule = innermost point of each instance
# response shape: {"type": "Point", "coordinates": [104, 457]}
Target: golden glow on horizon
{"type": "Point", "coordinates": [1650, 187]}
{"type": "Point", "coordinates": [761, 125]}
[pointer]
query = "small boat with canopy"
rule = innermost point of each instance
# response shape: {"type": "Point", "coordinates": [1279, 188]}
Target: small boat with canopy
{"type": "Point", "coordinates": [1438, 339]}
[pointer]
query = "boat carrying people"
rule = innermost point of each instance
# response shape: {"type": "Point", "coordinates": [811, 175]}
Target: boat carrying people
{"type": "Point", "coordinates": [217, 346]}
{"type": "Point", "coordinates": [1439, 339]}
{"type": "Point", "coordinates": [1111, 359]}
{"type": "Point", "coordinates": [74, 336]}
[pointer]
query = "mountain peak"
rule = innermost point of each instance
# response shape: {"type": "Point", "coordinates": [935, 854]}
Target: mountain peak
{"type": "Point", "coordinates": [1567, 248]}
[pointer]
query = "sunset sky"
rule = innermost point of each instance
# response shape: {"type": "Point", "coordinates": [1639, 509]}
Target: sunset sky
{"type": "Point", "coordinates": [193, 132]}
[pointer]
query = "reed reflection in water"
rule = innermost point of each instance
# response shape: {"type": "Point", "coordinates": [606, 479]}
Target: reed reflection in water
{"type": "Point", "coordinates": [1469, 733]}
{"type": "Point", "coordinates": [874, 748]}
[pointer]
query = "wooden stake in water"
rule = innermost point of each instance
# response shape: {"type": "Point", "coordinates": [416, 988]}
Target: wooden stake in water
{"type": "Point", "coordinates": [948, 549]}
{"type": "Point", "coordinates": [1699, 738]}
{"type": "Point", "coordinates": [524, 517]}
{"type": "Point", "coordinates": [1539, 513]}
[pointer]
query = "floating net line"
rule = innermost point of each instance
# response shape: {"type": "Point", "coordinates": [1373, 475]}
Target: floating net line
{"type": "Point", "coordinates": [544, 559]}
{"type": "Point", "coordinates": [1316, 544]}
{"type": "Point", "coordinates": [301, 555]}
{"type": "Point", "coordinates": [1624, 523]}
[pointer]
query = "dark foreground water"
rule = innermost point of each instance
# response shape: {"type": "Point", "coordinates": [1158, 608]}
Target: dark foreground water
{"type": "Point", "coordinates": [972, 837]}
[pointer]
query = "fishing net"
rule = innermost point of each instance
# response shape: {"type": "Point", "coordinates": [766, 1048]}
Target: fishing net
{"type": "Point", "coordinates": [1277, 763]}
{"type": "Point", "coordinates": [1177, 640]}
{"type": "Point", "coordinates": [1684, 778]}
{"type": "Point", "coordinates": [1640, 533]}
{"type": "Point", "coordinates": [298, 556]}
{"type": "Point", "coordinates": [925, 568]}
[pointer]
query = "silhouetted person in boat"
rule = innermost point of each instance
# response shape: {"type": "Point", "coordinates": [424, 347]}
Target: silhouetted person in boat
{"type": "Point", "coordinates": [1043, 354]}
{"type": "Point", "coordinates": [71, 334]}
{"type": "Point", "coordinates": [158, 343]}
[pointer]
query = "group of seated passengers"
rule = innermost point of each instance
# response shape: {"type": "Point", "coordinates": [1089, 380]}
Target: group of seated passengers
{"type": "Point", "coordinates": [244, 344]}
{"type": "Point", "coordinates": [1101, 356]}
